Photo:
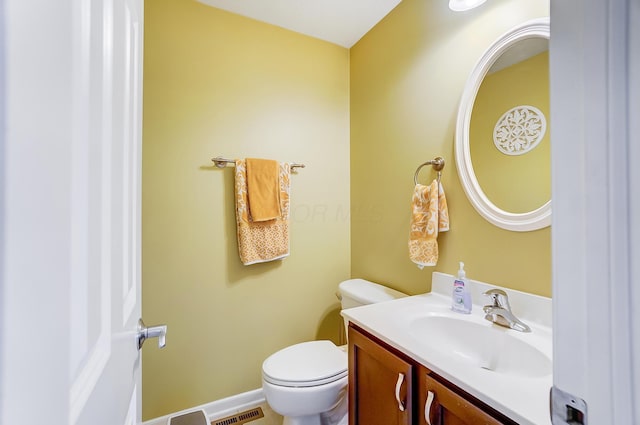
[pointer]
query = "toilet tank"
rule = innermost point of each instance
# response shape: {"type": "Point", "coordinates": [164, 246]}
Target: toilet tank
{"type": "Point", "coordinates": [357, 292]}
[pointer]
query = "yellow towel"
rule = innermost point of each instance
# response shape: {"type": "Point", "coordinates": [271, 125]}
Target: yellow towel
{"type": "Point", "coordinates": [263, 189]}
{"type": "Point", "coordinates": [261, 241]}
{"type": "Point", "coordinates": [429, 216]}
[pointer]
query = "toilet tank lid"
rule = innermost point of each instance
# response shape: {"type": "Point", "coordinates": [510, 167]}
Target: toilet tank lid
{"type": "Point", "coordinates": [368, 292]}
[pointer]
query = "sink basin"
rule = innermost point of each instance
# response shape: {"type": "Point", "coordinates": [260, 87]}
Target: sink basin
{"type": "Point", "coordinates": [482, 345]}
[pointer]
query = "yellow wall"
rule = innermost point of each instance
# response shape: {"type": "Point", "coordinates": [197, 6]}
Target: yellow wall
{"type": "Point", "coordinates": [219, 84]}
{"type": "Point", "coordinates": [407, 76]}
{"type": "Point", "coordinates": [515, 183]}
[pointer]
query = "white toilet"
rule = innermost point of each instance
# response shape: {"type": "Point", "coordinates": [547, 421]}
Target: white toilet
{"type": "Point", "coordinates": [307, 382]}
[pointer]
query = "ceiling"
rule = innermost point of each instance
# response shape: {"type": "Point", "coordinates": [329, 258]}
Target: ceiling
{"type": "Point", "coordinates": [517, 52]}
{"type": "Point", "coordinates": [342, 22]}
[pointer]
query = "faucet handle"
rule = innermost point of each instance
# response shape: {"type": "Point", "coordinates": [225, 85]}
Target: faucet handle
{"type": "Point", "coordinates": [499, 298]}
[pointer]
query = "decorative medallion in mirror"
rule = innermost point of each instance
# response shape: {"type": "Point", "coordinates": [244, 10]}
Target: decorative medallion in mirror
{"type": "Point", "coordinates": [502, 146]}
{"type": "Point", "coordinates": [519, 130]}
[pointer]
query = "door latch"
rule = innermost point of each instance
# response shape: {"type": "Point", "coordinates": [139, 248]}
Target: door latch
{"type": "Point", "coordinates": [567, 409]}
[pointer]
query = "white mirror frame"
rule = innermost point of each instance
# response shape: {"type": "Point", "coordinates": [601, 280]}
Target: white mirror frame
{"type": "Point", "coordinates": [519, 222]}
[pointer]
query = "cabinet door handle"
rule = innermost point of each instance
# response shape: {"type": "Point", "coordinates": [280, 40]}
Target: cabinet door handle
{"type": "Point", "coordinates": [398, 387]}
{"type": "Point", "coordinates": [427, 407]}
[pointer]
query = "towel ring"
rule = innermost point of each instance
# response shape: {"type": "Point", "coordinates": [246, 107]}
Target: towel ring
{"type": "Point", "coordinates": [437, 163]}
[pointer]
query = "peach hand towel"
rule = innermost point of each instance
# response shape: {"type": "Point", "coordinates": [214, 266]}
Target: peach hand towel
{"type": "Point", "coordinates": [261, 241]}
{"type": "Point", "coordinates": [429, 216]}
{"type": "Point", "coordinates": [263, 189]}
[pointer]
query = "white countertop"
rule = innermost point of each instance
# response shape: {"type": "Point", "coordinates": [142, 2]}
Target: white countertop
{"type": "Point", "coordinates": [525, 399]}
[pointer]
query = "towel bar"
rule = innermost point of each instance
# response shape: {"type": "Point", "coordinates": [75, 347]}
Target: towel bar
{"type": "Point", "coordinates": [221, 162]}
{"type": "Point", "coordinates": [437, 163]}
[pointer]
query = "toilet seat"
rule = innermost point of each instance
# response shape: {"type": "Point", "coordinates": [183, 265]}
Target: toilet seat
{"type": "Point", "coordinates": [307, 364]}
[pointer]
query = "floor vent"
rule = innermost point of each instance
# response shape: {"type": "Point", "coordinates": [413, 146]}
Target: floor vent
{"type": "Point", "coordinates": [240, 418]}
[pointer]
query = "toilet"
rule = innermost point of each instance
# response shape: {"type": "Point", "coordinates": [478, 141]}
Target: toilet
{"type": "Point", "coordinates": [306, 383]}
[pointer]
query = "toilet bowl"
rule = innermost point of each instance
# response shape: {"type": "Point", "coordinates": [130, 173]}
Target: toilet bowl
{"type": "Point", "coordinates": [304, 380]}
{"type": "Point", "coordinates": [306, 383]}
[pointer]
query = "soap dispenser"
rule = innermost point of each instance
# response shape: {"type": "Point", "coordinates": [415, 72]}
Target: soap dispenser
{"type": "Point", "coordinates": [461, 297]}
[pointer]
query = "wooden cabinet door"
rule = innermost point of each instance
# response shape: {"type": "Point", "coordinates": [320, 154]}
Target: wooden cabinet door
{"type": "Point", "coordinates": [440, 404]}
{"type": "Point", "coordinates": [380, 383]}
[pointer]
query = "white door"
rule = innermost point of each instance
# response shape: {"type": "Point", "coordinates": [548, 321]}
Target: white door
{"type": "Point", "coordinates": [71, 74]}
{"type": "Point", "coordinates": [595, 126]}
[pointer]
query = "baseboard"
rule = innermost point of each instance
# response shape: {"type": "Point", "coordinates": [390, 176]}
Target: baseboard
{"type": "Point", "coordinates": [219, 408]}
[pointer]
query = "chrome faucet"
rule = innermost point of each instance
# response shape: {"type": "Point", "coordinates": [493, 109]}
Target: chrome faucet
{"type": "Point", "coordinates": [499, 311]}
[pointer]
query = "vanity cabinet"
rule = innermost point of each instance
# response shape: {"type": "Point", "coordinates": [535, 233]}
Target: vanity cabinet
{"type": "Point", "coordinates": [387, 388]}
{"type": "Point", "coordinates": [381, 383]}
{"type": "Point", "coordinates": [442, 403]}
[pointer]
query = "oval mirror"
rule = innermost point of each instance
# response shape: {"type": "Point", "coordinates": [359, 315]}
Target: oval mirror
{"type": "Point", "coordinates": [502, 145]}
